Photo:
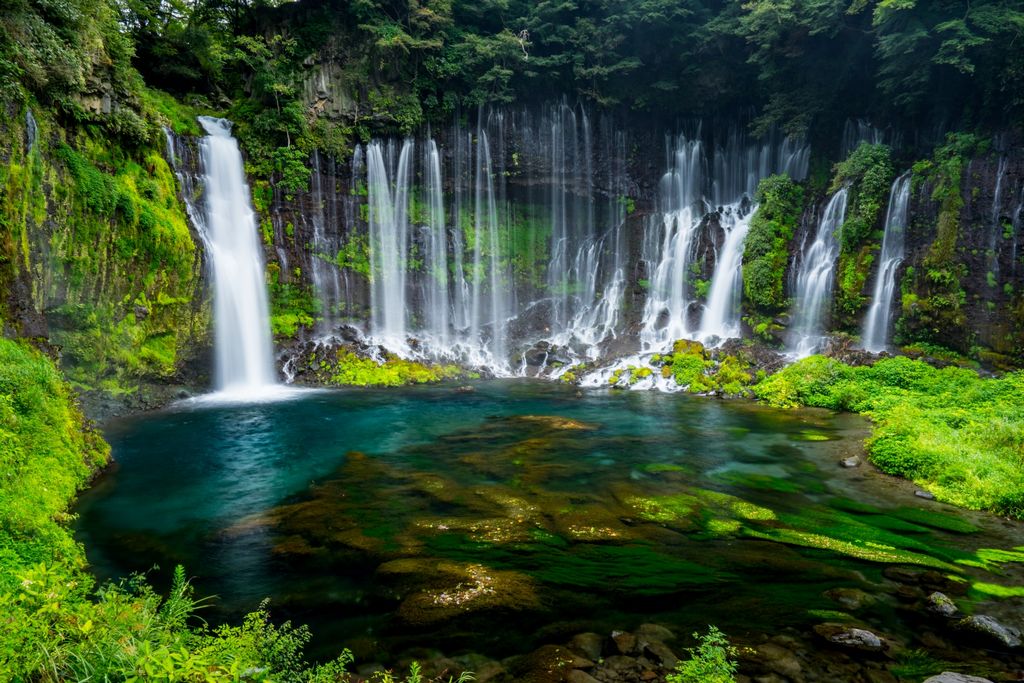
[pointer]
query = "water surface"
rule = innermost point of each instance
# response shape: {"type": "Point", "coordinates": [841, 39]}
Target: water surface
{"type": "Point", "coordinates": [518, 514]}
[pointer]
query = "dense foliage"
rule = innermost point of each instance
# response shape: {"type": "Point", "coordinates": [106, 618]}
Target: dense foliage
{"type": "Point", "coordinates": [766, 250]}
{"type": "Point", "coordinates": [949, 430]}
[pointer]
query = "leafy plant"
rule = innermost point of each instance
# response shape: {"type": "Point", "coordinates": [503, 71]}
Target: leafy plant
{"type": "Point", "coordinates": [712, 661]}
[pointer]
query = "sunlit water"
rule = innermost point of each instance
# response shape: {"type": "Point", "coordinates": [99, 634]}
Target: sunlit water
{"type": "Point", "coordinates": [364, 514]}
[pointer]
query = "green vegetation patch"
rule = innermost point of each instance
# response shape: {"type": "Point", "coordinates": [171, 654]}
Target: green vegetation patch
{"type": "Point", "coordinates": [766, 250]}
{"type": "Point", "coordinates": [949, 430]}
{"type": "Point", "coordinates": [347, 368]}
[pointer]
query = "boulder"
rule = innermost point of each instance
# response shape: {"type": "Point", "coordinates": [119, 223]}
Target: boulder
{"type": "Point", "coordinates": [950, 677]}
{"type": "Point", "coordinates": [987, 627]}
{"type": "Point", "coordinates": [941, 605]}
{"type": "Point", "coordinates": [850, 637]}
{"type": "Point", "coordinates": [590, 645]}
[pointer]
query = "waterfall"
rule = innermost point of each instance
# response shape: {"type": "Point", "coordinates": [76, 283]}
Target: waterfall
{"type": "Point", "coordinates": [389, 229]}
{"type": "Point", "coordinates": [814, 279]}
{"type": "Point", "coordinates": [879, 315]}
{"type": "Point", "coordinates": [667, 308]}
{"type": "Point", "coordinates": [995, 228]}
{"type": "Point", "coordinates": [326, 280]}
{"type": "Point", "coordinates": [670, 243]}
{"type": "Point", "coordinates": [721, 318]}
{"type": "Point", "coordinates": [31, 131]}
{"type": "Point", "coordinates": [437, 300]}
{"type": "Point", "coordinates": [227, 226]}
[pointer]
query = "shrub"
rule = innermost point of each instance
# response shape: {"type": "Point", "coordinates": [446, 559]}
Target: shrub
{"type": "Point", "coordinates": [712, 661]}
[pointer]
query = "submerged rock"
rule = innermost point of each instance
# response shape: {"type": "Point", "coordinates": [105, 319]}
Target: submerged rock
{"type": "Point", "coordinates": [850, 637]}
{"type": "Point", "coordinates": [924, 494]}
{"type": "Point", "coordinates": [437, 590]}
{"type": "Point", "coordinates": [990, 629]}
{"type": "Point", "coordinates": [852, 461]}
{"type": "Point", "coordinates": [941, 605]}
{"type": "Point", "coordinates": [950, 677]}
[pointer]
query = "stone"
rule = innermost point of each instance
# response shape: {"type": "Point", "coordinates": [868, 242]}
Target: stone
{"type": "Point", "coordinates": [849, 598]}
{"type": "Point", "coordinates": [850, 637]}
{"type": "Point", "coordinates": [589, 645]}
{"type": "Point", "coordinates": [779, 660]}
{"type": "Point", "coordinates": [941, 605]}
{"type": "Point", "coordinates": [991, 629]}
{"type": "Point", "coordinates": [950, 677]}
{"type": "Point", "coordinates": [547, 663]}
{"type": "Point", "coordinates": [660, 652]}
{"type": "Point", "coordinates": [852, 461]}
{"type": "Point", "coordinates": [625, 642]}
{"type": "Point", "coordinates": [924, 494]}
{"type": "Point", "coordinates": [654, 632]}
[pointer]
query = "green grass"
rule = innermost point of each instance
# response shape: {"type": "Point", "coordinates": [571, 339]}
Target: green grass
{"type": "Point", "coordinates": [952, 432]}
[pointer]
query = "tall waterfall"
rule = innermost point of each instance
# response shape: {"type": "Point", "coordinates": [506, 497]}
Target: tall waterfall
{"type": "Point", "coordinates": [228, 228]}
{"type": "Point", "coordinates": [388, 181]}
{"type": "Point", "coordinates": [879, 315]}
{"type": "Point", "coordinates": [815, 278]}
{"type": "Point", "coordinates": [995, 230]}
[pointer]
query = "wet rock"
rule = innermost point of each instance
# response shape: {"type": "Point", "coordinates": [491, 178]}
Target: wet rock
{"type": "Point", "coordinates": [437, 591]}
{"type": "Point", "coordinates": [465, 389]}
{"type": "Point", "coordinates": [660, 652]}
{"type": "Point", "coordinates": [950, 677]}
{"type": "Point", "coordinates": [589, 645]}
{"type": "Point", "coordinates": [880, 676]}
{"type": "Point", "coordinates": [850, 637]}
{"type": "Point", "coordinates": [849, 598]}
{"type": "Point", "coordinates": [549, 663]}
{"type": "Point", "coordinates": [578, 676]}
{"type": "Point", "coordinates": [990, 629]}
{"type": "Point", "coordinates": [851, 462]}
{"type": "Point", "coordinates": [779, 660]}
{"type": "Point", "coordinates": [654, 632]}
{"type": "Point", "coordinates": [625, 642]}
{"type": "Point", "coordinates": [941, 605]}
{"type": "Point", "coordinates": [924, 494]}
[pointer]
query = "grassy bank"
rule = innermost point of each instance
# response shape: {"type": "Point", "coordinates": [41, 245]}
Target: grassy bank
{"type": "Point", "coordinates": [954, 433]}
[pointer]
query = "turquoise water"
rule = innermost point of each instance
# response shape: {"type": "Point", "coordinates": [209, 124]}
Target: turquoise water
{"type": "Point", "coordinates": [518, 514]}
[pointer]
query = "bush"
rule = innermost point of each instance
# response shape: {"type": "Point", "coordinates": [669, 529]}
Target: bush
{"type": "Point", "coordinates": [712, 661]}
{"type": "Point", "coordinates": [766, 251]}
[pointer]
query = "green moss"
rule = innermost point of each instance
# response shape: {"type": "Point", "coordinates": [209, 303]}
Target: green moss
{"type": "Point", "coordinates": [292, 305]}
{"type": "Point", "coordinates": [348, 369]}
{"type": "Point", "coordinates": [766, 251]}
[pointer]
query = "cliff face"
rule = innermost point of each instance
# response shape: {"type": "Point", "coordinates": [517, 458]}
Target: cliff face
{"type": "Point", "coordinates": [97, 261]}
{"type": "Point", "coordinates": [966, 297]}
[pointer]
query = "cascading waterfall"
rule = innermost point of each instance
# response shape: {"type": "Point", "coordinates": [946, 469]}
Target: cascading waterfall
{"type": "Point", "coordinates": [995, 227]}
{"type": "Point", "coordinates": [388, 194]}
{"type": "Point", "coordinates": [31, 131]}
{"type": "Point", "coordinates": [324, 219]}
{"type": "Point", "coordinates": [687, 197]}
{"type": "Point", "coordinates": [667, 308]}
{"type": "Point", "coordinates": [436, 296]}
{"type": "Point", "coordinates": [815, 278]}
{"type": "Point", "coordinates": [227, 226]}
{"type": "Point", "coordinates": [508, 249]}
{"type": "Point", "coordinates": [878, 320]}
{"type": "Point", "coordinates": [721, 318]}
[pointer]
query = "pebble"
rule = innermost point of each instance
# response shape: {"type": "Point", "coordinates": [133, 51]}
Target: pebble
{"type": "Point", "coordinates": [852, 461]}
{"type": "Point", "coordinates": [924, 494]}
{"type": "Point", "coordinates": [941, 605]}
